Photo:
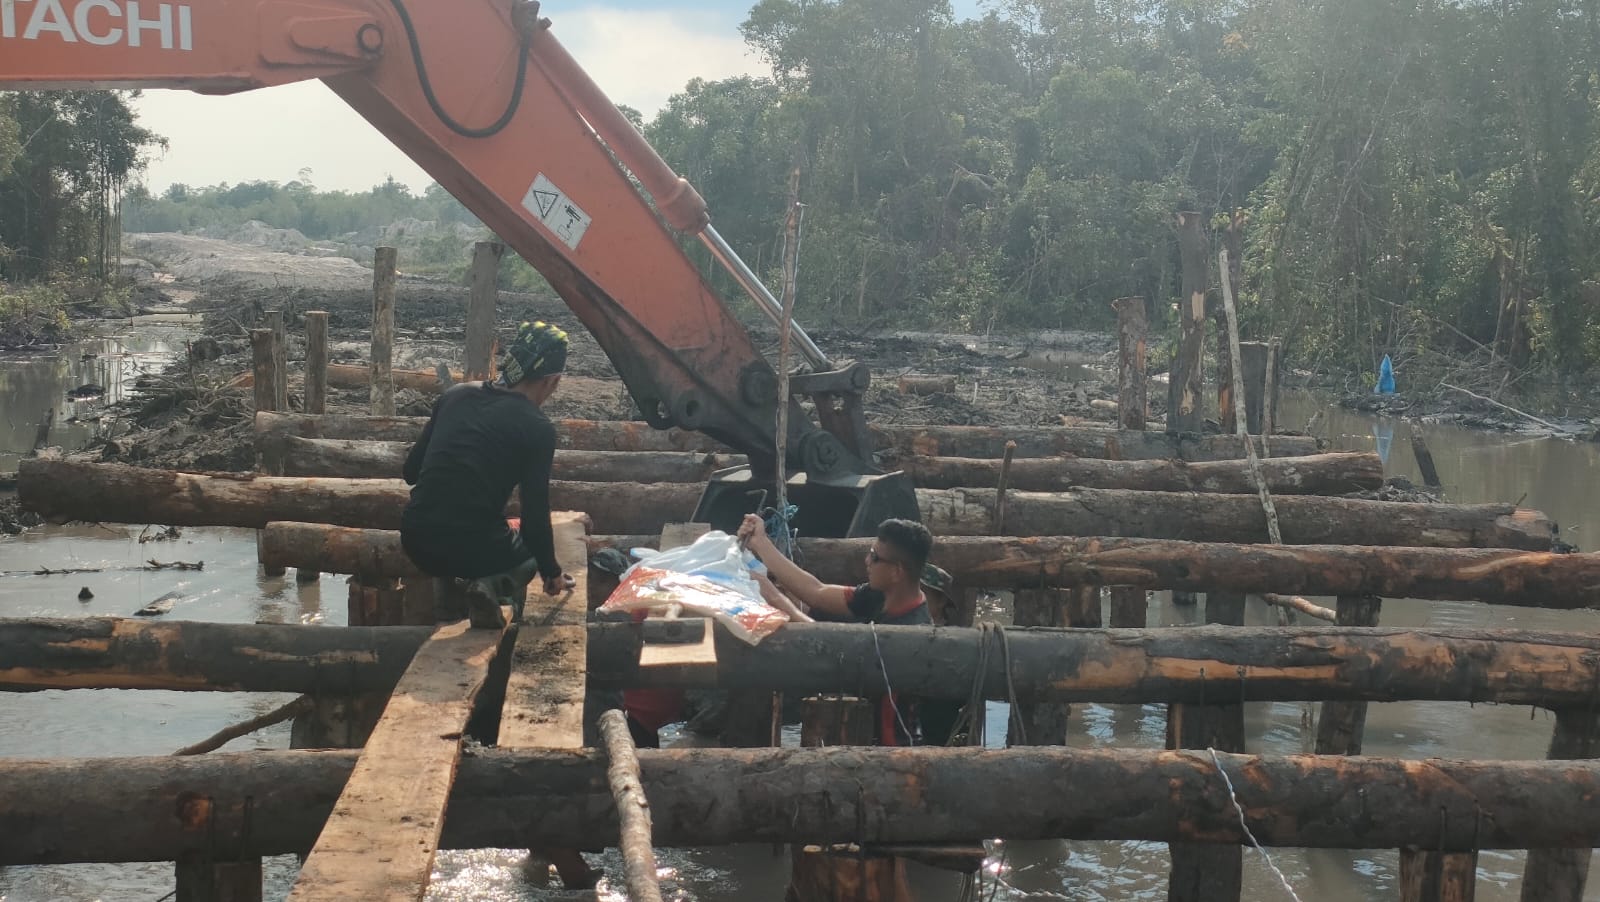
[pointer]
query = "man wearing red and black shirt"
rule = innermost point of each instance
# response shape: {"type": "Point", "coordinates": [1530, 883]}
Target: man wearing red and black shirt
{"type": "Point", "coordinates": [892, 594]}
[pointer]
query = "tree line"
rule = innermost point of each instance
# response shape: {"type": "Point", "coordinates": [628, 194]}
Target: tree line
{"type": "Point", "coordinates": [1413, 178]}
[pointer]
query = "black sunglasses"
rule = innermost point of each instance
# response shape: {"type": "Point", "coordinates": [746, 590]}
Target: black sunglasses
{"type": "Point", "coordinates": [874, 557]}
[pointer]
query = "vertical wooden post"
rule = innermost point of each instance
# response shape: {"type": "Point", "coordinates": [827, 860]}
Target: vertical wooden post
{"type": "Point", "coordinates": [263, 369]}
{"type": "Point", "coordinates": [1045, 723]}
{"type": "Point", "coordinates": [383, 286]}
{"type": "Point", "coordinates": [1133, 402]}
{"type": "Point", "coordinates": [1253, 356]}
{"type": "Point", "coordinates": [1203, 871]}
{"type": "Point", "coordinates": [1185, 407]}
{"type": "Point", "coordinates": [280, 360]}
{"type": "Point", "coordinates": [201, 880]}
{"type": "Point", "coordinates": [1269, 407]}
{"type": "Point", "coordinates": [1437, 876]}
{"type": "Point", "coordinates": [481, 308]}
{"type": "Point", "coordinates": [1341, 724]}
{"type": "Point", "coordinates": [316, 361]}
{"type": "Point", "coordinates": [816, 873]}
{"type": "Point", "coordinates": [1559, 875]}
{"type": "Point", "coordinates": [1128, 603]}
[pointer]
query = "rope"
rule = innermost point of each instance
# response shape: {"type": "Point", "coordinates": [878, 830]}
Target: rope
{"type": "Point", "coordinates": [884, 669]}
{"type": "Point", "coordinates": [1239, 809]}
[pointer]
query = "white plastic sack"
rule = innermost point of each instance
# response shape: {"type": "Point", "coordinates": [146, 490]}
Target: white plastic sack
{"type": "Point", "coordinates": [710, 577]}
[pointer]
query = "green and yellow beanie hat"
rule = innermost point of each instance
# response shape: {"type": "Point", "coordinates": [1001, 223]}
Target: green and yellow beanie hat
{"type": "Point", "coordinates": [539, 350]}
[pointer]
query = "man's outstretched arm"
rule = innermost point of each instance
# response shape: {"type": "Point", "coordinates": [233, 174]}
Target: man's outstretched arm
{"type": "Point", "coordinates": [812, 592]}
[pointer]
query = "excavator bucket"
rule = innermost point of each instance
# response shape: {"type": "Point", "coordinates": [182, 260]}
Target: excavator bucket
{"type": "Point", "coordinates": [832, 507]}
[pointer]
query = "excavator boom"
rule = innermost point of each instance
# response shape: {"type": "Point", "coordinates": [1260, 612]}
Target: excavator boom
{"type": "Point", "coordinates": [486, 100]}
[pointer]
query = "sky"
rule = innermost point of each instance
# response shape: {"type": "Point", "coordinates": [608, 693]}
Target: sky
{"type": "Point", "coordinates": [272, 134]}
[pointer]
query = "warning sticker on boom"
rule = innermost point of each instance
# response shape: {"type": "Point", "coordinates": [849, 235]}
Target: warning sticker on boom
{"type": "Point", "coordinates": [557, 211]}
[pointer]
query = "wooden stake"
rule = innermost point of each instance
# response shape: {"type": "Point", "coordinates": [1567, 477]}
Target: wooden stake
{"type": "Point", "coordinates": [633, 809]}
{"type": "Point", "coordinates": [1133, 403]}
{"type": "Point", "coordinates": [791, 263]}
{"type": "Point", "coordinates": [481, 308]}
{"type": "Point", "coordinates": [1185, 409]}
{"type": "Point", "coordinates": [1000, 495]}
{"type": "Point", "coordinates": [384, 277]}
{"type": "Point", "coordinates": [1340, 727]}
{"type": "Point", "coordinates": [1303, 605]}
{"type": "Point", "coordinates": [1419, 447]}
{"type": "Point", "coordinates": [1427, 876]}
{"type": "Point", "coordinates": [264, 366]}
{"type": "Point", "coordinates": [316, 361]}
{"type": "Point", "coordinates": [280, 360]}
{"type": "Point", "coordinates": [1559, 875]}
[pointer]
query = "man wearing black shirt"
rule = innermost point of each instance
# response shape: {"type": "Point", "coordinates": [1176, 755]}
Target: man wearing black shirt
{"type": "Point", "coordinates": [483, 440]}
{"type": "Point", "coordinates": [892, 594]}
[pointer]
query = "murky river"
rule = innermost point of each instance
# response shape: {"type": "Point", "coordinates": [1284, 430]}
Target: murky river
{"type": "Point", "coordinates": [1555, 476]}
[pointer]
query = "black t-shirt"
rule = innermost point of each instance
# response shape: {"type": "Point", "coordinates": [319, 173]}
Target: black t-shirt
{"type": "Point", "coordinates": [481, 443]}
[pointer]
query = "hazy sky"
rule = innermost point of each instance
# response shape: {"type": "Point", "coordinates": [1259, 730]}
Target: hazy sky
{"type": "Point", "coordinates": [640, 53]}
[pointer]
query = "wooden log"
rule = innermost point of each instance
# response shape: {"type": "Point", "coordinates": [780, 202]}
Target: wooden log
{"type": "Point", "coordinates": [926, 385]}
{"type": "Point", "coordinates": [349, 375]}
{"type": "Point", "coordinates": [1253, 369]}
{"type": "Point", "coordinates": [267, 803]}
{"type": "Point", "coordinates": [633, 810]}
{"type": "Point", "coordinates": [1106, 666]}
{"type": "Point", "coordinates": [381, 836]}
{"type": "Point", "coordinates": [897, 441]}
{"type": "Point", "coordinates": [1185, 406]}
{"type": "Point", "coordinates": [1133, 405]}
{"type": "Point", "coordinates": [481, 308]}
{"type": "Point", "coordinates": [1304, 605]}
{"type": "Point", "coordinates": [1316, 474]}
{"type": "Point", "coordinates": [1432, 876]}
{"type": "Point", "coordinates": [263, 364]}
{"type": "Point", "coordinates": [119, 493]}
{"type": "Point", "coordinates": [383, 285]}
{"type": "Point", "coordinates": [63, 491]}
{"type": "Point", "coordinates": [1341, 724]}
{"type": "Point", "coordinates": [1425, 465]}
{"type": "Point", "coordinates": [1525, 579]}
{"type": "Point", "coordinates": [280, 359]}
{"type": "Point", "coordinates": [1235, 518]}
{"type": "Point", "coordinates": [1559, 875]}
{"type": "Point", "coordinates": [316, 361]}
{"type": "Point", "coordinates": [578, 435]}
{"type": "Point", "coordinates": [295, 456]}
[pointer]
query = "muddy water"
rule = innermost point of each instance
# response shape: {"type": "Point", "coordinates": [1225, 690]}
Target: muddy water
{"type": "Point", "coordinates": [1552, 475]}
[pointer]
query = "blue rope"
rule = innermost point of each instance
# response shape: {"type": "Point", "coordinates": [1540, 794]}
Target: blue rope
{"type": "Point", "coordinates": [779, 530]}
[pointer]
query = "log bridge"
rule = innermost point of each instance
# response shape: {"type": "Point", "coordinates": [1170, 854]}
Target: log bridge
{"type": "Point", "coordinates": [1079, 509]}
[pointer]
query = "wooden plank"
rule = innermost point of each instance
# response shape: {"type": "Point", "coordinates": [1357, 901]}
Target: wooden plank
{"type": "Point", "coordinates": [380, 839]}
{"type": "Point", "coordinates": [685, 658]}
{"type": "Point", "coordinates": [549, 675]}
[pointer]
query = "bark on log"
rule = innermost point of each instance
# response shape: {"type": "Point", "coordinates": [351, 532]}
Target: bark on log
{"type": "Point", "coordinates": [68, 490]}
{"type": "Point", "coordinates": [264, 370]}
{"type": "Point", "coordinates": [1304, 520]}
{"type": "Point", "coordinates": [1316, 474]}
{"type": "Point", "coordinates": [633, 811]}
{"type": "Point", "coordinates": [1525, 579]}
{"type": "Point", "coordinates": [269, 803]}
{"type": "Point", "coordinates": [900, 442]}
{"type": "Point", "coordinates": [383, 286]}
{"type": "Point", "coordinates": [926, 385]}
{"type": "Point", "coordinates": [1133, 405]}
{"type": "Point", "coordinates": [1559, 875]}
{"type": "Point", "coordinates": [481, 305]}
{"type": "Point", "coordinates": [353, 375]}
{"type": "Point", "coordinates": [896, 441]}
{"type": "Point", "coordinates": [295, 456]}
{"type": "Point", "coordinates": [1105, 666]}
{"type": "Point", "coordinates": [64, 490]}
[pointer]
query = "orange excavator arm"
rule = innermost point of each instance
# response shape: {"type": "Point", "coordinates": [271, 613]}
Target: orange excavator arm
{"type": "Point", "coordinates": [486, 100]}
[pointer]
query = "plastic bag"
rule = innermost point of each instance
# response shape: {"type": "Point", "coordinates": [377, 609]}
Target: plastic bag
{"type": "Point", "coordinates": [710, 577]}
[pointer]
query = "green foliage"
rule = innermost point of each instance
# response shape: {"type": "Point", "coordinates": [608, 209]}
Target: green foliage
{"type": "Point", "coordinates": [64, 158]}
{"type": "Point", "coordinates": [33, 314]}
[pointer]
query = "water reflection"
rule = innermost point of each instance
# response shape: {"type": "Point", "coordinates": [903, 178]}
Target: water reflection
{"type": "Point", "coordinates": [34, 387]}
